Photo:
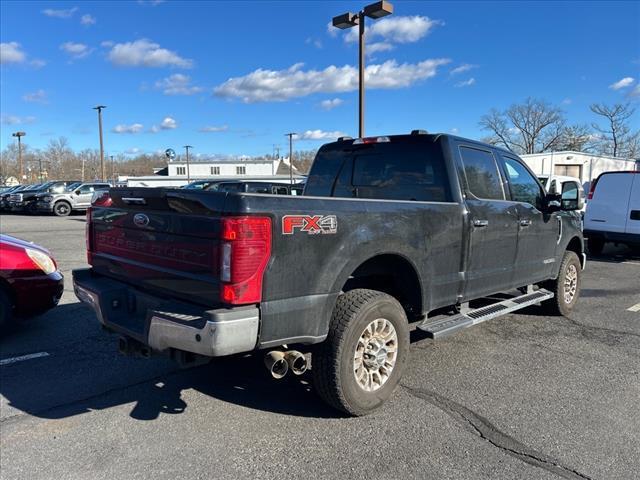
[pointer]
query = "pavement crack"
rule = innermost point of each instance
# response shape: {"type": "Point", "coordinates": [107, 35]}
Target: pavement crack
{"type": "Point", "coordinates": [609, 331]}
{"type": "Point", "coordinates": [489, 432]}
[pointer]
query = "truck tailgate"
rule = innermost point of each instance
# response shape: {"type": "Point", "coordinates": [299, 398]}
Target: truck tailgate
{"type": "Point", "coordinates": [163, 241]}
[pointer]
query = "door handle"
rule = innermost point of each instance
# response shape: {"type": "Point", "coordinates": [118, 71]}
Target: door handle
{"type": "Point", "coordinates": [525, 223]}
{"type": "Point", "coordinates": [480, 223]}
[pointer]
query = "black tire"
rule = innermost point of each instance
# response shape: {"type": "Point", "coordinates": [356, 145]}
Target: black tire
{"type": "Point", "coordinates": [62, 209]}
{"type": "Point", "coordinates": [333, 360]}
{"type": "Point", "coordinates": [561, 304]}
{"type": "Point", "coordinates": [6, 310]}
{"type": "Point", "coordinates": [595, 245]}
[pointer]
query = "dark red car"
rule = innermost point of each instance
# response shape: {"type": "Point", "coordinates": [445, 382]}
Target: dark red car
{"type": "Point", "coordinates": [30, 282]}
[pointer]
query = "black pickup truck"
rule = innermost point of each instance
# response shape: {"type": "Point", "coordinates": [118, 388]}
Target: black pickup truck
{"type": "Point", "coordinates": [390, 234]}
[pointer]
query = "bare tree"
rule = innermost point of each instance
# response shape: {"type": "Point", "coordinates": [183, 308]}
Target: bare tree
{"type": "Point", "coordinates": [577, 138]}
{"type": "Point", "coordinates": [616, 137]}
{"type": "Point", "coordinates": [531, 127]}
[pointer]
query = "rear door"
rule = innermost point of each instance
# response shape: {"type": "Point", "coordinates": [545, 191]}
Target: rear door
{"type": "Point", "coordinates": [83, 195]}
{"type": "Point", "coordinates": [538, 232]}
{"type": "Point", "coordinates": [493, 224]}
{"type": "Point", "coordinates": [633, 217]}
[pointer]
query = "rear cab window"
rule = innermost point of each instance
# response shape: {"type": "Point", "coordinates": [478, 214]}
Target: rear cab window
{"type": "Point", "coordinates": [401, 169]}
{"type": "Point", "coordinates": [481, 173]}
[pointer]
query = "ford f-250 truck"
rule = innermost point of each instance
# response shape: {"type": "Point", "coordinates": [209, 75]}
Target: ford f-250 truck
{"type": "Point", "coordinates": [391, 233]}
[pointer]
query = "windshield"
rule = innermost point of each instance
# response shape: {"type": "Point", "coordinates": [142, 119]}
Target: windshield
{"type": "Point", "coordinates": [197, 185]}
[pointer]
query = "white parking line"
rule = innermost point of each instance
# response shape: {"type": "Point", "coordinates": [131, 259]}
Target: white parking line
{"type": "Point", "coordinates": [635, 308]}
{"type": "Point", "coordinates": [9, 361]}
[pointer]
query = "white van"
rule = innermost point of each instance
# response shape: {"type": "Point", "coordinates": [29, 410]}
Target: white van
{"type": "Point", "coordinates": [556, 184]}
{"type": "Point", "coordinates": [613, 211]}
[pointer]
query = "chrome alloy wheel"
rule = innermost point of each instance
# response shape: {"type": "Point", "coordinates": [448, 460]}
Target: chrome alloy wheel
{"type": "Point", "coordinates": [570, 283]}
{"type": "Point", "coordinates": [375, 355]}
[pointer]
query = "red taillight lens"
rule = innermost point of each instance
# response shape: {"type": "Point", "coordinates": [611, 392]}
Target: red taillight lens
{"type": "Point", "coordinates": [592, 189]}
{"type": "Point", "coordinates": [244, 254]}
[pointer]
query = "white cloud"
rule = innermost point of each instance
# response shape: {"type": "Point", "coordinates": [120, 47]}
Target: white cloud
{"type": "Point", "coordinates": [214, 129]}
{"type": "Point", "coordinates": [87, 20]}
{"type": "Point", "coordinates": [133, 128]}
{"type": "Point", "coordinates": [281, 85]}
{"type": "Point", "coordinates": [11, 52]}
{"type": "Point", "coordinates": [50, 12]}
{"type": "Point", "coordinates": [319, 135]}
{"type": "Point", "coordinates": [332, 103]}
{"type": "Point", "coordinates": [379, 47]}
{"type": "Point", "coordinates": [567, 101]}
{"type": "Point", "coordinates": [39, 96]}
{"type": "Point", "coordinates": [397, 29]}
{"type": "Point", "coordinates": [463, 68]}
{"type": "Point", "coordinates": [466, 83]}
{"type": "Point", "coordinates": [37, 63]}
{"type": "Point", "coordinates": [145, 53]}
{"type": "Point", "coordinates": [635, 92]}
{"type": "Point", "coordinates": [132, 151]}
{"type": "Point", "coordinates": [177, 84]}
{"type": "Point", "coordinates": [107, 43]}
{"type": "Point", "coordinates": [167, 123]}
{"type": "Point", "coordinates": [15, 120]}
{"type": "Point", "coordinates": [314, 41]}
{"type": "Point", "coordinates": [75, 50]}
{"type": "Point", "coordinates": [622, 83]}
{"type": "Point", "coordinates": [153, 3]}
{"type": "Point", "coordinates": [454, 131]}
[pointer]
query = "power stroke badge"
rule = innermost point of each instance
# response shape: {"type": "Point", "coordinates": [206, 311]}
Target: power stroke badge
{"type": "Point", "coordinates": [309, 224]}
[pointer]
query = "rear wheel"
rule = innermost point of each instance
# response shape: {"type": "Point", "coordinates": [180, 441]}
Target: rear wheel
{"type": "Point", "coordinates": [566, 288]}
{"type": "Point", "coordinates": [62, 209]}
{"type": "Point", "coordinates": [360, 363]}
{"type": "Point", "coordinates": [595, 245]}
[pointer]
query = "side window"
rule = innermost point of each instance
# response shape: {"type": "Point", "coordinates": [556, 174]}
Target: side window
{"type": "Point", "coordinates": [524, 187]}
{"type": "Point", "coordinates": [86, 189]}
{"type": "Point", "coordinates": [481, 171]}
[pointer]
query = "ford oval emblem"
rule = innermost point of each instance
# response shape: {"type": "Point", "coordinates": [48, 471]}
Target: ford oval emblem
{"type": "Point", "coordinates": [140, 220]}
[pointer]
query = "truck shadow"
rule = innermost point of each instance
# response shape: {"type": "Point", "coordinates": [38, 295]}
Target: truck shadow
{"type": "Point", "coordinates": [88, 374]}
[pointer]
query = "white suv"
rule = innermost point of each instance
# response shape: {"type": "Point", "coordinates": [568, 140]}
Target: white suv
{"type": "Point", "coordinates": [613, 211]}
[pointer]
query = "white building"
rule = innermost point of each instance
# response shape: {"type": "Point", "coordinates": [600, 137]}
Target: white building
{"type": "Point", "coordinates": [584, 166]}
{"type": "Point", "coordinates": [175, 173]}
{"type": "Point", "coordinates": [198, 170]}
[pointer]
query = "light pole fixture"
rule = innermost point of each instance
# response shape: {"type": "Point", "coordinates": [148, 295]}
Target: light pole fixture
{"type": "Point", "coordinates": [187, 147]}
{"type": "Point", "coordinates": [348, 20]}
{"type": "Point", "coordinates": [99, 109]}
{"type": "Point", "coordinates": [19, 135]}
{"type": "Point", "coordinates": [290, 135]}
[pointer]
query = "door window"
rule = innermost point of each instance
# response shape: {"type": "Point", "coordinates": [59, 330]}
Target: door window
{"type": "Point", "coordinates": [86, 189]}
{"type": "Point", "coordinates": [481, 172]}
{"type": "Point", "coordinates": [524, 187]}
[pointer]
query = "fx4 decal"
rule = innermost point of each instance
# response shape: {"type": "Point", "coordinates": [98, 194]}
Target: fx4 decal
{"type": "Point", "coordinates": [310, 224]}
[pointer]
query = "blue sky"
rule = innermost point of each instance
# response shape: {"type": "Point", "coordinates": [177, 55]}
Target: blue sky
{"type": "Point", "coordinates": [233, 77]}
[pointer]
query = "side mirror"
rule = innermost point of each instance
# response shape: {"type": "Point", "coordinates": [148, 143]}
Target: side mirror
{"type": "Point", "coordinates": [571, 197]}
{"type": "Point", "coordinates": [77, 192]}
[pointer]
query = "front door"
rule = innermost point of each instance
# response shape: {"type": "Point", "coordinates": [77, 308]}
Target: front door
{"type": "Point", "coordinates": [493, 224]}
{"type": "Point", "coordinates": [538, 232]}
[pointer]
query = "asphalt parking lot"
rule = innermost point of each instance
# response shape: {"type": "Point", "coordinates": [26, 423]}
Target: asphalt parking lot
{"type": "Point", "coordinates": [523, 396]}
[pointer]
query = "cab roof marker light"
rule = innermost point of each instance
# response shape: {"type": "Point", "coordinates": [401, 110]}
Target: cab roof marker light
{"type": "Point", "coordinates": [366, 140]}
{"type": "Point", "coordinates": [419, 132]}
{"type": "Point", "coordinates": [344, 139]}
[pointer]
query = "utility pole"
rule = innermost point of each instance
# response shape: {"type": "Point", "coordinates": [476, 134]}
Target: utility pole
{"type": "Point", "coordinates": [113, 176]}
{"type": "Point", "coordinates": [290, 135]}
{"type": "Point", "coordinates": [187, 147]}
{"type": "Point", "coordinates": [19, 135]}
{"type": "Point", "coordinates": [102, 171]}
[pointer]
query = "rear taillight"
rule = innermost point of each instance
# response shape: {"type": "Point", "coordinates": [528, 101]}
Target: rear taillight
{"type": "Point", "coordinates": [367, 140]}
{"type": "Point", "coordinates": [244, 253]}
{"type": "Point", "coordinates": [592, 189]}
{"type": "Point", "coordinates": [87, 236]}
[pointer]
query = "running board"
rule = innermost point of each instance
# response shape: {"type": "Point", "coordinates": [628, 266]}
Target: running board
{"type": "Point", "coordinates": [446, 326]}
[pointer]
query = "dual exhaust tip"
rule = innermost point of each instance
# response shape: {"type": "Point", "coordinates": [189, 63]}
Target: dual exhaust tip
{"type": "Point", "coordinates": [279, 363]}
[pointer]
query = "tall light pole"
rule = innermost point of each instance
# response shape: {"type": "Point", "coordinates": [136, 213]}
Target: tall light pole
{"type": "Point", "coordinates": [290, 135]}
{"type": "Point", "coordinates": [187, 147]}
{"type": "Point", "coordinates": [348, 20]}
{"type": "Point", "coordinates": [19, 135]}
{"type": "Point", "coordinates": [102, 172]}
{"type": "Point", "coordinates": [113, 170]}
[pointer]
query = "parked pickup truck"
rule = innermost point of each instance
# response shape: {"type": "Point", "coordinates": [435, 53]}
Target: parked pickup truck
{"type": "Point", "coordinates": [390, 234]}
{"type": "Point", "coordinates": [63, 203]}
